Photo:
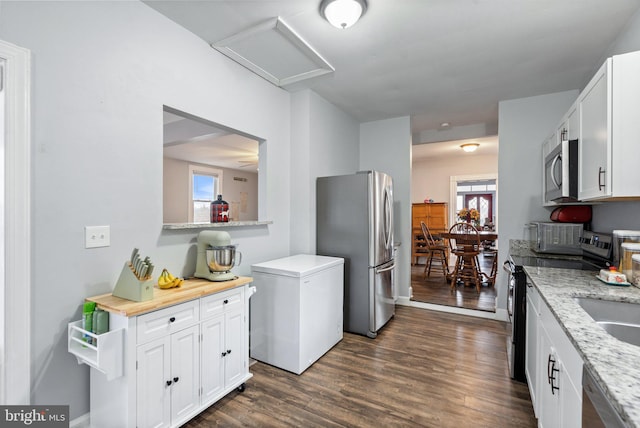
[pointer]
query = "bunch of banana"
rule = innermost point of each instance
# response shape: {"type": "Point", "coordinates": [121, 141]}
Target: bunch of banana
{"type": "Point", "coordinates": [166, 280]}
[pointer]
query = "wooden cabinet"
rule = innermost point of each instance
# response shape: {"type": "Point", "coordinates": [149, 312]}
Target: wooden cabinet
{"type": "Point", "coordinates": [609, 129]}
{"type": "Point", "coordinates": [553, 368]}
{"type": "Point", "coordinates": [435, 216]}
{"type": "Point", "coordinates": [177, 359]}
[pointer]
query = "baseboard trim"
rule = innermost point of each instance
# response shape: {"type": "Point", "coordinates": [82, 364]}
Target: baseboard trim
{"type": "Point", "coordinates": [500, 314]}
{"type": "Point", "coordinates": [83, 421]}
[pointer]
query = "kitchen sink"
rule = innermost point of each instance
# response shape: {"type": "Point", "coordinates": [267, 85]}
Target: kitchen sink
{"type": "Point", "coordinates": [620, 319]}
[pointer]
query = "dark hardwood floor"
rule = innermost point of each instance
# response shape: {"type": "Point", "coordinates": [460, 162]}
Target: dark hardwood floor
{"type": "Point", "coordinates": [425, 369]}
{"type": "Point", "coordinates": [435, 289]}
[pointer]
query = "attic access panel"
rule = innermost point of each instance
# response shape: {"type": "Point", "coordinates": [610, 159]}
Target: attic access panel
{"type": "Point", "coordinates": [275, 52]}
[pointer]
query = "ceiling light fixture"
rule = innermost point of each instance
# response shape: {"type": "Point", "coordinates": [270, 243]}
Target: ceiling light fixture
{"type": "Point", "coordinates": [342, 13]}
{"type": "Point", "coordinates": [470, 147]}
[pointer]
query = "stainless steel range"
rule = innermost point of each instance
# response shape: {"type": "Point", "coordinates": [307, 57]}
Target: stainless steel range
{"type": "Point", "coordinates": [596, 254]}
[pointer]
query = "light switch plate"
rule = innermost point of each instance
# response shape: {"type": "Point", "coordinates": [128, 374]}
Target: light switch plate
{"type": "Point", "coordinates": [97, 236]}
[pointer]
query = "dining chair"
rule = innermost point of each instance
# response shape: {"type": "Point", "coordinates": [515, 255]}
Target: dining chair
{"type": "Point", "coordinates": [464, 242]}
{"type": "Point", "coordinates": [490, 278]}
{"type": "Point", "coordinates": [436, 250]}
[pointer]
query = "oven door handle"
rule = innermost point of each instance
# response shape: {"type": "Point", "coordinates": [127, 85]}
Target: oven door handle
{"type": "Point", "coordinates": [507, 266]}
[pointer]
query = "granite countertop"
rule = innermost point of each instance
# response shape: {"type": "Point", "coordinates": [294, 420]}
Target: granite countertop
{"type": "Point", "coordinates": [614, 364]}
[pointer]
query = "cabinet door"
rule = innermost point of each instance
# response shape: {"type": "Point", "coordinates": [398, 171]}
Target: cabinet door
{"type": "Point", "coordinates": [570, 401]}
{"type": "Point", "coordinates": [573, 122]}
{"type": "Point", "coordinates": [185, 373]}
{"type": "Point", "coordinates": [548, 380]}
{"type": "Point", "coordinates": [153, 392]}
{"type": "Point", "coordinates": [212, 359]}
{"type": "Point", "coordinates": [234, 345]}
{"type": "Point", "coordinates": [437, 217]}
{"type": "Point", "coordinates": [532, 345]}
{"type": "Point", "coordinates": [594, 143]}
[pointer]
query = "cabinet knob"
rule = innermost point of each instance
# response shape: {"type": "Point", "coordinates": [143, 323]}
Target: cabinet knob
{"type": "Point", "coordinates": [168, 383]}
{"type": "Point", "coordinates": [224, 354]}
{"type": "Point", "coordinates": [176, 379]}
{"type": "Point", "coordinates": [601, 172]}
{"type": "Point", "coordinates": [228, 351]}
{"type": "Point", "coordinates": [172, 319]}
{"type": "Point", "coordinates": [225, 301]}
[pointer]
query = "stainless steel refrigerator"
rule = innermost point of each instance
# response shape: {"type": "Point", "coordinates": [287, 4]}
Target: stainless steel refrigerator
{"type": "Point", "coordinates": [355, 222]}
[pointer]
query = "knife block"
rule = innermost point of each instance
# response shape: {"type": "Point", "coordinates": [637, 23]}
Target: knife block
{"type": "Point", "coordinates": [131, 288]}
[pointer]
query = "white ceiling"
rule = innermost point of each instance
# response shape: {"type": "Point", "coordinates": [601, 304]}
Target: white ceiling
{"type": "Point", "coordinates": [434, 60]}
{"type": "Point", "coordinates": [488, 146]}
{"type": "Point", "coordinates": [203, 142]}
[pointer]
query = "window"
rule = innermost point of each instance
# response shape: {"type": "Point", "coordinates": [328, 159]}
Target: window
{"type": "Point", "coordinates": [206, 184]}
{"type": "Point", "coordinates": [479, 195]}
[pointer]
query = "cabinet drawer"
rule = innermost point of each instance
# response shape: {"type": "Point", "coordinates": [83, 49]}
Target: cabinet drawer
{"type": "Point", "coordinates": [220, 302]}
{"type": "Point", "coordinates": [533, 296]}
{"type": "Point", "coordinates": [165, 321]}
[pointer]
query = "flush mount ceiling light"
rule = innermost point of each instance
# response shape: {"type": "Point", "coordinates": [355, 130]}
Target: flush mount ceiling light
{"type": "Point", "coordinates": [470, 147]}
{"type": "Point", "coordinates": [342, 13]}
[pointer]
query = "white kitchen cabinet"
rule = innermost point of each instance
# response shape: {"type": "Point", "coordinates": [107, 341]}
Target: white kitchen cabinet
{"type": "Point", "coordinates": [532, 345]}
{"type": "Point", "coordinates": [573, 122]}
{"type": "Point", "coordinates": [223, 346]}
{"type": "Point", "coordinates": [180, 352]}
{"type": "Point", "coordinates": [167, 379]}
{"type": "Point", "coordinates": [609, 129]}
{"type": "Point", "coordinates": [568, 129]}
{"type": "Point", "coordinates": [559, 375]}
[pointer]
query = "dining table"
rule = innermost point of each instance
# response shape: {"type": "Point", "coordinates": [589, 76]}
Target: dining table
{"type": "Point", "coordinates": [462, 238]}
{"type": "Point", "coordinates": [484, 235]}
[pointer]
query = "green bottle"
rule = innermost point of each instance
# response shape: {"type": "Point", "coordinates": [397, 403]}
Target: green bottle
{"type": "Point", "coordinates": [87, 319]}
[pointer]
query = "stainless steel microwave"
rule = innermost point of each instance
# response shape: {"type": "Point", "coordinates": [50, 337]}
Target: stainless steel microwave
{"type": "Point", "coordinates": [561, 173]}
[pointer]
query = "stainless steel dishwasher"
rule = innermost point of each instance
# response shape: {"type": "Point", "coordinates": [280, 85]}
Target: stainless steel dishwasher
{"type": "Point", "coordinates": [597, 411]}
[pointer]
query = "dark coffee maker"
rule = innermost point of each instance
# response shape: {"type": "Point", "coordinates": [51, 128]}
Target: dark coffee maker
{"type": "Point", "coordinates": [219, 211]}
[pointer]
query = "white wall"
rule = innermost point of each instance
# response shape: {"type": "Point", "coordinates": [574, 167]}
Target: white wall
{"type": "Point", "coordinates": [430, 178]}
{"type": "Point", "coordinates": [385, 145]}
{"type": "Point", "coordinates": [324, 142]}
{"type": "Point", "coordinates": [101, 73]}
{"type": "Point", "coordinates": [523, 125]}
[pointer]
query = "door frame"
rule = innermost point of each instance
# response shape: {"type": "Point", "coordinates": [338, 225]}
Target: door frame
{"type": "Point", "coordinates": [453, 193]}
{"type": "Point", "coordinates": [15, 356]}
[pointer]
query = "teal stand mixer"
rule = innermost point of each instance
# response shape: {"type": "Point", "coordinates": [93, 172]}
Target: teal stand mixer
{"type": "Point", "coordinates": [216, 256]}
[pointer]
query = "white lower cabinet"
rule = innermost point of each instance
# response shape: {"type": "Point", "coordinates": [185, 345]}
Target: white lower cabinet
{"type": "Point", "coordinates": [222, 354]}
{"type": "Point", "coordinates": [557, 382]}
{"type": "Point", "coordinates": [167, 379]}
{"type": "Point", "coordinates": [177, 361]}
{"type": "Point", "coordinates": [532, 344]}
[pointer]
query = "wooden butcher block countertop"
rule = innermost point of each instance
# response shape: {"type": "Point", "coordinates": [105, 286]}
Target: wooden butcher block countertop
{"type": "Point", "coordinates": [191, 289]}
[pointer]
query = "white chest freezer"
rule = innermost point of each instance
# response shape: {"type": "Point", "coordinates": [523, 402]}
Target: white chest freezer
{"type": "Point", "coordinates": [296, 312]}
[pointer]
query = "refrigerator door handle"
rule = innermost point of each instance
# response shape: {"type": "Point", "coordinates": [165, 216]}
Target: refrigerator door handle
{"type": "Point", "coordinates": [388, 218]}
{"type": "Point", "coordinates": [393, 265]}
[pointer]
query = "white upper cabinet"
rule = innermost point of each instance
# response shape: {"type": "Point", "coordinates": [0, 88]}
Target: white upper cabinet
{"type": "Point", "coordinates": [609, 130]}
